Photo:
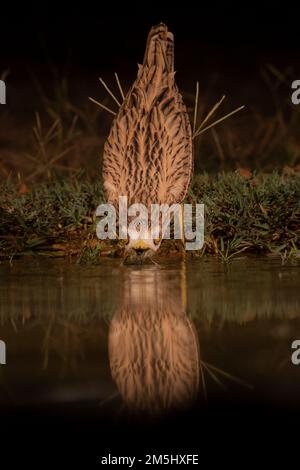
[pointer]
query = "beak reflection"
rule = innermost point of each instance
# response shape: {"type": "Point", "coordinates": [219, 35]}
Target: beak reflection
{"type": "Point", "coordinates": [141, 251]}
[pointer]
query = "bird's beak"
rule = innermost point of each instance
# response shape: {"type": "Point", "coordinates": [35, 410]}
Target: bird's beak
{"type": "Point", "coordinates": [137, 252]}
{"type": "Point", "coordinates": [140, 247]}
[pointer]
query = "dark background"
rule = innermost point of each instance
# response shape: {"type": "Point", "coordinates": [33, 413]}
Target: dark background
{"type": "Point", "coordinates": [92, 38]}
{"type": "Point", "coordinates": [111, 34]}
{"type": "Point", "coordinates": [52, 54]}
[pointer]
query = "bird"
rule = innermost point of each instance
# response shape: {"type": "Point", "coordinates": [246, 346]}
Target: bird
{"type": "Point", "coordinates": [148, 154]}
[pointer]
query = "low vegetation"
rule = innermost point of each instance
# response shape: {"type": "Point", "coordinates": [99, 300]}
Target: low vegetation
{"type": "Point", "coordinates": [244, 212]}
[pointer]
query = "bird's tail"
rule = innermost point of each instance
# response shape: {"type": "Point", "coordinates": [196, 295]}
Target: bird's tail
{"type": "Point", "coordinates": [160, 48]}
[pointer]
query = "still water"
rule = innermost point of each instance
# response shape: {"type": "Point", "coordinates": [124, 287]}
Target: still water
{"type": "Point", "coordinates": [149, 338]}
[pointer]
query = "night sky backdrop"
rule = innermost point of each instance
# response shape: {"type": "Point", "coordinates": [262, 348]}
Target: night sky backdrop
{"type": "Point", "coordinates": [92, 35]}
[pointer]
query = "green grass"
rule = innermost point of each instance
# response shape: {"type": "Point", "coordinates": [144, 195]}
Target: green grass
{"type": "Point", "coordinates": [259, 215]}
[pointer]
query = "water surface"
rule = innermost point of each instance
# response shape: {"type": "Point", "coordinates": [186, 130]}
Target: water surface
{"type": "Point", "coordinates": [149, 338]}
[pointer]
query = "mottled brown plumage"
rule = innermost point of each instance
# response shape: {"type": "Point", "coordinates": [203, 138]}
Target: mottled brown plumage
{"type": "Point", "coordinates": [148, 153]}
{"type": "Point", "coordinates": [153, 345]}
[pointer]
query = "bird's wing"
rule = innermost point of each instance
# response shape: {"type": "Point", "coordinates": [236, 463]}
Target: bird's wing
{"type": "Point", "coordinates": [148, 153]}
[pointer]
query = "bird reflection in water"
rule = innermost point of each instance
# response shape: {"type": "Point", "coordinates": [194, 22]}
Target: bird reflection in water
{"type": "Point", "coordinates": [153, 344]}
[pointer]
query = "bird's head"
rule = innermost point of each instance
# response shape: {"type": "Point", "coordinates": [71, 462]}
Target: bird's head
{"type": "Point", "coordinates": [140, 251]}
{"type": "Point", "coordinates": [140, 248]}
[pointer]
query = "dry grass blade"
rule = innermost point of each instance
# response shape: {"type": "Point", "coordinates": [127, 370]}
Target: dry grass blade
{"type": "Point", "coordinates": [218, 144]}
{"type": "Point", "coordinates": [30, 157]}
{"type": "Point", "coordinates": [102, 106]}
{"type": "Point", "coordinates": [281, 77]}
{"type": "Point", "coordinates": [53, 128]}
{"type": "Point", "coordinates": [38, 122]}
{"type": "Point", "coordinates": [61, 154]}
{"type": "Point", "coordinates": [196, 107]}
{"type": "Point", "coordinates": [50, 147]}
{"type": "Point", "coordinates": [214, 377]}
{"type": "Point", "coordinates": [112, 397]}
{"type": "Point", "coordinates": [66, 167]}
{"type": "Point", "coordinates": [228, 376]}
{"type": "Point", "coordinates": [109, 91]}
{"type": "Point", "coordinates": [211, 112]}
{"type": "Point", "coordinates": [203, 382]}
{"type": "Point", "coordinates": [199, 132]}
{"type": "Point", "coordinates": [119, 86]}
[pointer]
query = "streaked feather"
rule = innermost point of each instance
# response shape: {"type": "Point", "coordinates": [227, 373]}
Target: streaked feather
{"type": "Point", "coordinates": [153, 347]}
{"type": "Point", "coordinates": [148, 153]}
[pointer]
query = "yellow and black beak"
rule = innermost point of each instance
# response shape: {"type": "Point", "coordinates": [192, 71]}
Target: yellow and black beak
{"type": "Point", "coordinates": [140, 247]}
